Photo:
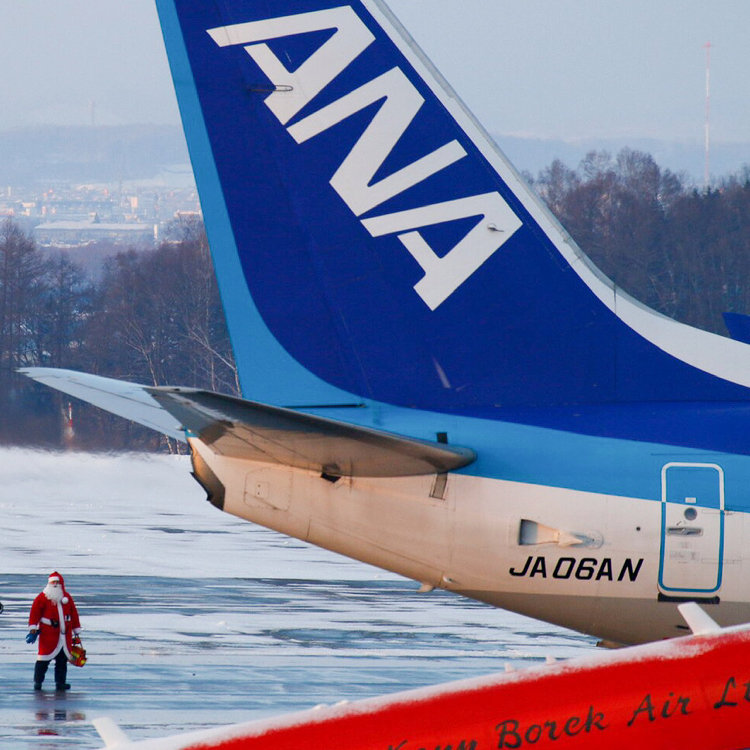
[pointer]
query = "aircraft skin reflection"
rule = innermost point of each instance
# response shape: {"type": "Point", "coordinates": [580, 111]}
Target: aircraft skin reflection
{"type": "Point", "coordinates": [443, 385]}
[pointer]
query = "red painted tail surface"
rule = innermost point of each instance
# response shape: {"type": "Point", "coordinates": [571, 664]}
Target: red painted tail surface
{"type": "Point", "coordinates": [693, 691]}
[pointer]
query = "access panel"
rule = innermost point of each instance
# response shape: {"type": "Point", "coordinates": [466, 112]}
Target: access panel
{"type": "Point", "coordinates": [692, 533]}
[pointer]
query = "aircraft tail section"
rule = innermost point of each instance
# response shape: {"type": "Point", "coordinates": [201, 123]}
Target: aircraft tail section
{"type": "Point", "coordinates": [372, 243]}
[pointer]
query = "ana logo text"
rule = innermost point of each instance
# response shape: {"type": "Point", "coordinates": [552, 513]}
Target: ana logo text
{"type": "Point", "coordinates": [398, 103]}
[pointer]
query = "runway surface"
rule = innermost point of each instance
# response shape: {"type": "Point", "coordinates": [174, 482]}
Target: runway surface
{"type": "Point", "coordinates": [194, 619]}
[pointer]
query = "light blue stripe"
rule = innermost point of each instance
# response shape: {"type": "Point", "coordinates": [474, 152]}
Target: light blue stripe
{"type": "Point", "coordinates": [542, 456]}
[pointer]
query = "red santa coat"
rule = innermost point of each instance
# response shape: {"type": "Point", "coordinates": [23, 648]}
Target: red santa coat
{"type": "Point", "coordinates": [44, 614]}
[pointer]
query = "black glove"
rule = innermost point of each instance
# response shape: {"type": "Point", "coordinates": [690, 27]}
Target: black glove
{"type": "Point", "coordinates": [31, 637]}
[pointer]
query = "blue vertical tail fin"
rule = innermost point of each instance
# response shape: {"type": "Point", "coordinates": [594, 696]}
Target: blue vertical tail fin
{"type": "Point", "coordinates": [371, 242]}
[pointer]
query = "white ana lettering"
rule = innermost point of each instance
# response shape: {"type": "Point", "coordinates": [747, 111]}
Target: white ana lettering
{"type": "Point", "coordinates": [351, 38]}
{"type": "Point", "coordinates": [443, 275]}
{"type": "Point", "coordinates": [400, 103]}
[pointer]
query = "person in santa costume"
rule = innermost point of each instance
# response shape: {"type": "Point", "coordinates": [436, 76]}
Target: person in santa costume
{"type": "Point", "coordinates": [54, 620]}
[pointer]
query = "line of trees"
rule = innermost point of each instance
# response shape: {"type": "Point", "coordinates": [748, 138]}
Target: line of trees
{"type": "Point", "coordinates": [682, 251]}
{"type": "Point", "coordinates": [155, 316]}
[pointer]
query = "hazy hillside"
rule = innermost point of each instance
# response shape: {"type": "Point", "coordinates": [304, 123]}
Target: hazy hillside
{"type": "Point", "coordinates": [48, 154]}
{"type": "Point", "coordinates": [535, 154]}
{"type": "Point", "coordinates": [88, 154]}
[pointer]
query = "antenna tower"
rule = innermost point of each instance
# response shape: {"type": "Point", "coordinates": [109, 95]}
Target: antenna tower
{"type": "Point", "coordinates": [707, 139]}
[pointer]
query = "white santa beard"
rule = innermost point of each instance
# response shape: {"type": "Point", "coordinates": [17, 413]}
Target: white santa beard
{"type": "Point", "coordinates": [53, 593]}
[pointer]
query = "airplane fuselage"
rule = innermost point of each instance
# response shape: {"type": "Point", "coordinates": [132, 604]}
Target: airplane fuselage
{"type": "Point", "coordinates": [519, 529]}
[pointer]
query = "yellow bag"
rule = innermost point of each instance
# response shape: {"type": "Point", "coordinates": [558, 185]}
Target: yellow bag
{"type": "Point", "coordinates": [77, 653]}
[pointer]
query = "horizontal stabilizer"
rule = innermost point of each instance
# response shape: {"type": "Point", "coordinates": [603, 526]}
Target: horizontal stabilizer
{"type": "Point", "coordinates": [129, 400]}
{"type": "Point", "coordinates": [257, 432]}
{"type": "Point", "coordinates": [245, 429]}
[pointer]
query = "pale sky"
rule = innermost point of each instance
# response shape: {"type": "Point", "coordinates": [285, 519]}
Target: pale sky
{"type": "Point", "coordinates": [565, 69]}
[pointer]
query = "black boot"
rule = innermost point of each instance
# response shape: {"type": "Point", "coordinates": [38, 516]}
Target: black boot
{"type": "Point", "coordinates": [61, 671]}
{"type": "Point", "coordinates": [40, 669]}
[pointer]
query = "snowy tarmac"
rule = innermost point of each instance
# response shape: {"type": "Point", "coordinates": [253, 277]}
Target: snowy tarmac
{"type": "Point", "coordinates": [193, 618]}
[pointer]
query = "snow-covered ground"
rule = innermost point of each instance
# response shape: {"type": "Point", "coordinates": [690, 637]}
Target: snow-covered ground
{"type": "Point", "coordinates": [194, 618]}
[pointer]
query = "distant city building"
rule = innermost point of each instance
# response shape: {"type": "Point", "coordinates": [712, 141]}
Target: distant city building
{"type": "Point", "coordinates": [64, 211]}
{"type": "Point", "coordinates": [72, 233]}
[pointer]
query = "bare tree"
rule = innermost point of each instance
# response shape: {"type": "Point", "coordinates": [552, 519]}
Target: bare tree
{"type": "Point", "coordinates": [685, 253]}
{"type": "Point", "coordinates": [158, 318]}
